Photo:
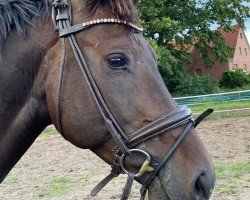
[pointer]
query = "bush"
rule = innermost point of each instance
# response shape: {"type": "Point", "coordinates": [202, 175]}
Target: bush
{"type": "Point", "coordinates": [197, 85]}
{"type": "Point", "coordinates": [234, 79]}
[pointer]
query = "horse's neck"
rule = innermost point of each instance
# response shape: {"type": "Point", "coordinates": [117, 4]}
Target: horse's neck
{"type": "Point", "coordinates": [23, 110]}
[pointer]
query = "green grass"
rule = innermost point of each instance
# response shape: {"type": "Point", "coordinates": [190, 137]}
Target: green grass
{"type": "Point", "coordinates": [10, 180]}
{"type": "Point", "coordinates": [232, 170]}
{"type": "Point", "coordinates": [49, 133]}
{"type": "Point", "coordinates": [227, 188]}
{"type": "Point", "coordinates": [226, 116]}
{"type": "Point", "coordinates": [62, 185]}
{"type": "Point", "coordinates": [231, 175]}
{"type": "Point", "coordinates": [218, 106]}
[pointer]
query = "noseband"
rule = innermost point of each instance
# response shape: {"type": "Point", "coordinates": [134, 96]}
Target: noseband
{"type": "Point", "coordinates": [62, 19]}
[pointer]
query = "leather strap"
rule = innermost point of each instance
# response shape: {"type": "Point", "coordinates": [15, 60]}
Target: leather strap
{"type": "Point", "coordinates": [111, 176]}
{"type": "Point", "coordinates": [72, 29]}
{"type": "Point", "coordinates": [143, 192]}
{"type": "Point", "coordinates": [180, 116]}
{"type": "Point", "coordinates": [115, 171]}
{"type": "Point", "coordinates": [192, 123]}
{"type": "Point", "coordinates": [114, 128]}
{"type": "Point", "coordinates": [102, 184]}
{"type": "Point", "coordinates": [204, 115]}
{"type": "Point", "coordinates": [62, 17]}
{"type": "Point", "coordinates": [167, 157]}
{"type": "Point", "coordinates": [128, 186]}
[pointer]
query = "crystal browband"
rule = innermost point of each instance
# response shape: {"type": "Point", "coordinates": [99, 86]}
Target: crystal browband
{"type": "Point", "coordinates": [112, 21]}
{"type": "Point", "coordinates": [85, 25]}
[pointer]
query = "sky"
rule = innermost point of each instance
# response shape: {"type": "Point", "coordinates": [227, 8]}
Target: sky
{"type": "Point", "coordinates": [247, 23]}
{"type": "Point", "coordinates": [247, 31]}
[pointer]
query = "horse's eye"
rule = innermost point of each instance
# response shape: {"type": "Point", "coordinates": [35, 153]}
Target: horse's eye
{"type": "Point", "coordinates": [117, 62]}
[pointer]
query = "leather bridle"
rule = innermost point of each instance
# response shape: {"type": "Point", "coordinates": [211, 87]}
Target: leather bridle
{"type": "Point", "coordinates": [62, 19]}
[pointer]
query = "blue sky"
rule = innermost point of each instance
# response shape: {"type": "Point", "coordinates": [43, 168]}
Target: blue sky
{"type": "Point", "coordinates": [247, 23]}
{"type": "Point", "coordinates": [247, 31]}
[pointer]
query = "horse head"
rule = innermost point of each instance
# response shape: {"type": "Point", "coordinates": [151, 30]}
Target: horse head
{"type": "Point", "coordinates": [99, 85]}
{"type": "Point", "coordinates": [124, 69]}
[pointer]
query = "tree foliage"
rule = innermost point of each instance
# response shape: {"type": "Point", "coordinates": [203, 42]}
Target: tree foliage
{"type": "Point", "coordinates": [172, 26]}
{"type": "Point", "coordinates": [197, 85]}
{"type": "Point", "coordinates": [233, 79]}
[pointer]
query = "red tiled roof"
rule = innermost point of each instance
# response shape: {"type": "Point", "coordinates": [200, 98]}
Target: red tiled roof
{"type": "Point", "coordinates": [230, 37]}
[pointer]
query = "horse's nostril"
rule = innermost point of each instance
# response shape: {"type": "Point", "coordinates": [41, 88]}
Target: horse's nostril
{"type": "Point", "coordinates": [203, 187]}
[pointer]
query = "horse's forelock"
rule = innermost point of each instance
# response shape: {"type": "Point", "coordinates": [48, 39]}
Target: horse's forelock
{"type": "Point", "coordinates": [122, 9]}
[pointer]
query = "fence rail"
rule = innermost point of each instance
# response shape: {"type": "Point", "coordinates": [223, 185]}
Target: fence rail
{"type": "Point", "coordinates": [229, 113]}
{"type": "Point", "coordinates": [230, 96]}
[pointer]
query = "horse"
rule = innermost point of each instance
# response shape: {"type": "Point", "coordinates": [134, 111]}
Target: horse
{"type": "Point", "coordinates": [91, 73]}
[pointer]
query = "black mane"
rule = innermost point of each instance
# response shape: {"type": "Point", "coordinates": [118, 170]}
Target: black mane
{"type": "Point", "coordinates": [16, 14]}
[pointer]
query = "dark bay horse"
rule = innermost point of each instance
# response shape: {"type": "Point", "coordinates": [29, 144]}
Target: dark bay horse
{"type": "Point", "coordinates": [113, 103]}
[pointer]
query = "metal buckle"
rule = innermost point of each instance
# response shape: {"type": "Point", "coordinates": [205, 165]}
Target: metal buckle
{"type": "Point", "coordinates": [58, 3]}
{"type": "Point", "coordinates": [145, 166]}
{"type": "Point", "coordinates": [116, 166]}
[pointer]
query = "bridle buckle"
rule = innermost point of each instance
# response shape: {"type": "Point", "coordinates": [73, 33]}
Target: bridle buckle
{"type": "Point", "coordinates": [116, 166]}
{"type": "Point", "coordinates": [58, 3]}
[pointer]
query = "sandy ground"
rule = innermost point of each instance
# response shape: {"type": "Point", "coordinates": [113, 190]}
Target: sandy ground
{"type": "Point", "coordinates": [52, 164]}
{"type": "Point", "coordinates": [228, 140]}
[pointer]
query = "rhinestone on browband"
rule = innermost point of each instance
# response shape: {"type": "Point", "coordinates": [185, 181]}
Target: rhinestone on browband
{"type": "Point", "coordinates": [111, 21]}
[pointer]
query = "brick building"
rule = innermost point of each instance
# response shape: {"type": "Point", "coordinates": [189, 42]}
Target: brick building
{"type": "Point", "coordinates": [241, 59]}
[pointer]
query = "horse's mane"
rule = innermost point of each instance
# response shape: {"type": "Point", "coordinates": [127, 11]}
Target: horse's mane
{"type": "Point", "coordinates": [17, 14]}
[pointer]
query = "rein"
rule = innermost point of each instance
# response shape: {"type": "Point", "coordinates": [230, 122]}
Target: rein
{"type": "Point", "coordinates": [62, 19]}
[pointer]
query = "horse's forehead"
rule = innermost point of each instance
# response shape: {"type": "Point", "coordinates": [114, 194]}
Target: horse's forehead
{"type": "Point", "coordinates": [109, 36]}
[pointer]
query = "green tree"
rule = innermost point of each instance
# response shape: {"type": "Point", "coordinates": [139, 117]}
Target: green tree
{"type": "Point", "coordinates": [197, 85]}
{"type": "Point", "coordinates": [233, 79]}
{"type": "Point", "coordinates": [171, 26]}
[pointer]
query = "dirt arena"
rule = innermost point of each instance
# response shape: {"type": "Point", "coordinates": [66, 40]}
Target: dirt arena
{"type": "Point", "coordinates": [54, 169]}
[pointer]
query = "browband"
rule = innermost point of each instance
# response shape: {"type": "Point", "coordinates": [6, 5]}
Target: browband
{"type": "Point", "coordinates": [80, 27]}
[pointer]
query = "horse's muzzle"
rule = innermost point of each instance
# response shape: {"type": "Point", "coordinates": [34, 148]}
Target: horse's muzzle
{"type": "Point", "coordinates": [203, 186]}
{"type": "Point", "coordinates": [166, 186]}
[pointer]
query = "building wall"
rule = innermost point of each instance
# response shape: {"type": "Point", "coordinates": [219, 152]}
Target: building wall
{"type": "Point", "coordinates": [240, 60]}
{"type": "Point", "coordinates": [197, 67]}
{"type": "Point", "coordinates": [242, 53]}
